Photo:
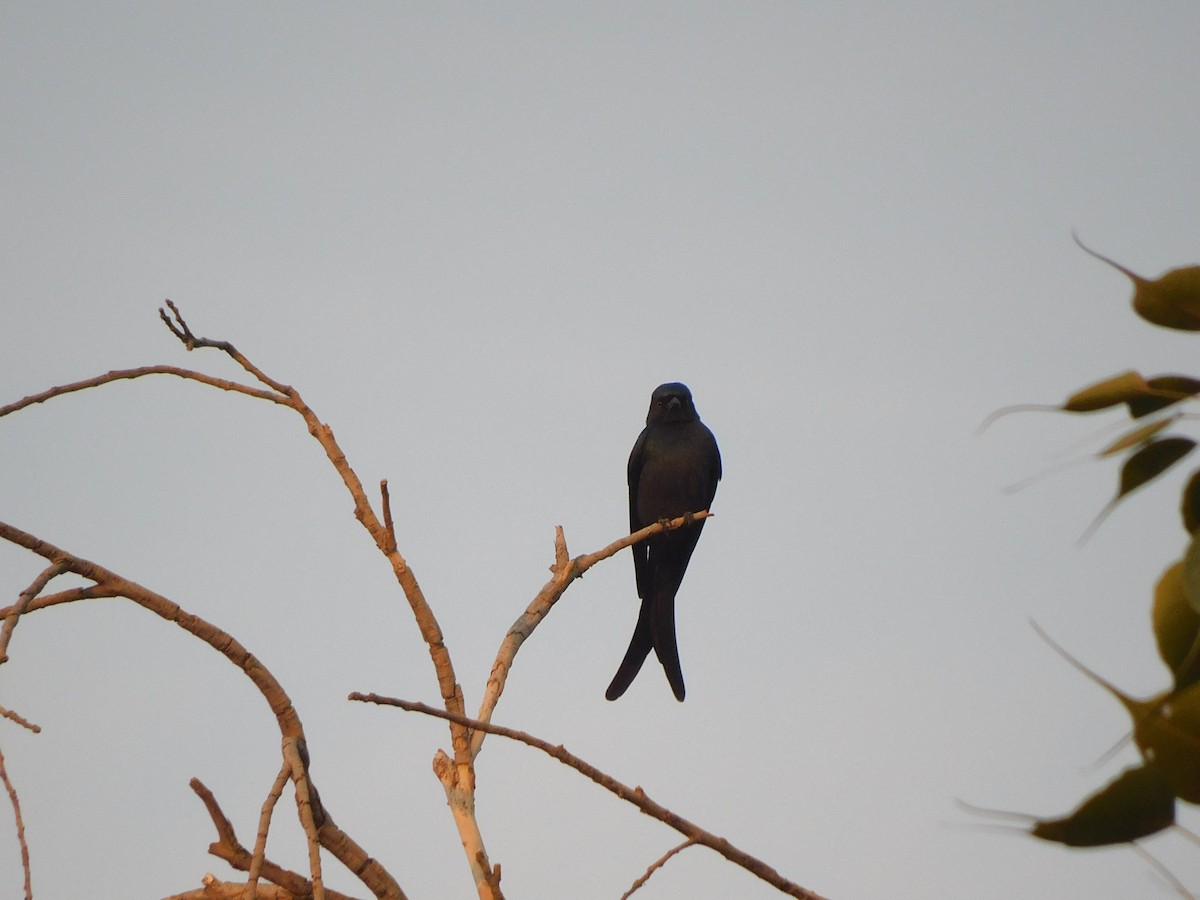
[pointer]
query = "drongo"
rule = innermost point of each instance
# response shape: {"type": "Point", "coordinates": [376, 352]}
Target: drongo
{"type": "Point", "coordinates": [673, 470]}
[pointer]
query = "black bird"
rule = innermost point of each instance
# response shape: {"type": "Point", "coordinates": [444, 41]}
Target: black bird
{"type": "Point", "coordinates": [673, 469]}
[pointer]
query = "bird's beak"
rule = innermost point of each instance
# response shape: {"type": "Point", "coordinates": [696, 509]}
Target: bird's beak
{"type": "Point", "coordinates": [674, 403]}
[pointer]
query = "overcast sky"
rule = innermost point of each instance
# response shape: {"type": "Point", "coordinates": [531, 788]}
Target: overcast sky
{"type": "Point", "coordinates": [475, 237]}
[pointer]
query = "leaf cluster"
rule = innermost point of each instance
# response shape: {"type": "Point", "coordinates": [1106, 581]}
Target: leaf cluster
{"type": "Point", "coordinates": [1142, 800]}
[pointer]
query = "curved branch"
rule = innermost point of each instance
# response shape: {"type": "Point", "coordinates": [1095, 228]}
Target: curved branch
{"type": "Point", "coordinates": [655, 866]}
{"type": "Point", "coordinates": [26, 596]}
{"type": "Point", "coordinates": [636, 795]}
{"type": "Point", "coordinates": [258, 858]}
{"type": "Point", "coordinates": [181, 330]}
{"type": "Point", "coordinates": [24, 723]}
{"type": "Point", "coordinates": [67, 596]}
{"type": "Point", "coordinates": [285, 395]}
{"type": "Point", "coordinates": [457, 780]}
{"type": "Point", "coordinates": [331, 837]}
{"type": "Point", "coordinates": [229, 848]}
{"type": "Point", "coordinates": [297, 760]}
{"type": "Point", "coordinates": [20, 826]}
{"type": "Point", "coordinates": [123, 374]}
{"type": "Point", "coordinates": [564, 571]}
{"type": "Point", "coordinates": [382, 535]}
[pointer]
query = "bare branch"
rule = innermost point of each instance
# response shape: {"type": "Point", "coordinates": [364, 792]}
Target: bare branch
{"type": "Point", "coordinates": [26, 596]}
{"type": "Point", "coordinates": [215, 889]}
{"type": "Point", "coordinates": [636, 796]}
{"type": "Point", "coordinates": [655, 866]}
{"type": "Point", "coordinates": [225, 832]}
{"type": "Point", "coordinates": [458, 780]}
{"type": "Point", "coordinates": [426, 621]}
{"type": "Point", "coordinates": [373, 875]}
{"type": "Point", "coordinates": [24, 723]}
{"type": "Point", "coordinates": [122, 374]}
{"type": "Point", "coordinates": [68, 596]}
{"type": "Point", "coordinates": [564, 572]}
{"type": "Point", "coordinates": [191, 342]}
{"type": "Point", "coordinates": [388, 526]}
{"type": "Point", "coordinates": [20, 824]}
{"type": "Point", "coordinates": [264, 826]}
{"type": "Point", "coordinates": [230, 849]}
{"type": "Point", "coordinates": [304, 794]}
{"type": "Point", "coordinates": [285, 395]}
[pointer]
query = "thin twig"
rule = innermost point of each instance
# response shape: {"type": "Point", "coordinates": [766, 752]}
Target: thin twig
{"type": "Point", "coordinates": [184, 333]}
{"type": "Point", "coordinates": [458, 780]}
{"type": "Point", "coordinates": [121, 374]}
{"type": "Point", "coordinates": [636, 796]}
{"type": "Point", "coordinates": [26, 596]}
{"type": "Point", "coordinates": [230, 849]}
{"type": "Point", "coordinates": [67, 596]}
{"type": "Point", "coordinates": [388, 525]}
{"type": "Point", "coordinates": [299, 775]}
{"type": "Point", "coordinates": [373, 875]}
{"type": "Point", "coordinates": [24, 723]}
{"type": "Point", "coordinates": [264, 826]}
{"type": "Point", "coordinates": [655, 866]}
{"type": "Point", "coordinates": [20, 824]}
{"type": "Point", "coordinates": [431, 632]}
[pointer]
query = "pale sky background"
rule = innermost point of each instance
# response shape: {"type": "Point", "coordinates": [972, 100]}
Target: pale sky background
{"type": "Point", "coordinates": [475, 237]}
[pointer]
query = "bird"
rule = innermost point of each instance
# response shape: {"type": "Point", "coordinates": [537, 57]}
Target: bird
{"type": "Point", "coordinates": [673, 470]}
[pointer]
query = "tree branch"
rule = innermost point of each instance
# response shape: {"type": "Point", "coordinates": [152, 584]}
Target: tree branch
{"type": "Point", "coordinates": [636, 796]}
{"type": "Point", "coordinates": [564, 571]}
{"type": "Point", "coordinates": [181, 330]}
{"type": "Point", "coordinates": [23, 600]}
{"type": "Point", "coordinates": [67, 596]}
{"type": "Point", "coordinates": [383, 535]}
{"type": "Point", "coordinates": [24, 723]}
{"type": "Point", "coordinates": [20, 826]}
{"type": "Point", "coordinates": [122, 374]}
{"type": "Point", "coordinates": [655, 866]}
{"type": "Point", "coordinates": [230, 849]}
{"type": "Point", "coordinates": [373, 875]}
{"type": "Point", "coordinates": [258, 858]}
{"type": "Point", "coordinates": [426, 621]}
{"type": "Point", "coordinates": [297, 760]}
{"type": "Point", "coordinates": [458, 780]}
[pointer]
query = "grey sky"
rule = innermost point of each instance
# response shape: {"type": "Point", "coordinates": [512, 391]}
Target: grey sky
{"type": "Point", "coordinates": [475, 237]}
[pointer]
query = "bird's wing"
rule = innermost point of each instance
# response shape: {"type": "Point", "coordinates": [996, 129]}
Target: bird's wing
{"type": "Point", "coordinates": [716, 461]}
{"type": "Point", "coordinates": [640, 551]}
{"type": "Point", "coordinates": [714, 464]}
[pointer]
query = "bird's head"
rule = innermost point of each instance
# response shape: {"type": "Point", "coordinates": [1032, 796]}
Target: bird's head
{"type": "Point", "coordinates": [671, 403]}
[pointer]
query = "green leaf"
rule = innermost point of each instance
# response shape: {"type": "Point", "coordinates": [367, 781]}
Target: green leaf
{"type": "Point", "coordinates": [1137, 436]}
{"type": "Point", "coordinates": [1176, 627]}
{"type": "Point", "coordinates": [1109, 392]}
{"type": "Point", "coordinates": [1166, 389]}
{"type": "Point", "coordinates": [1172, 300]}
{"type": "Point", "coordinates": [1190, 575]}
{"type": "Point", "coordinates": [1141, 467]}
{"type": "Point", "coordinates": [1166, 728]}
{"type": "Point", "coordinates": [1167, 731]}
{"type": "Point", "coordinates": [1138, 803]}
{"type": "Point", "coordinates": [1189, 505]}
{"type": "Point", "coordinates": [1151, 461]}
{"type": "Point", "coordinates": [1142, 396]}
